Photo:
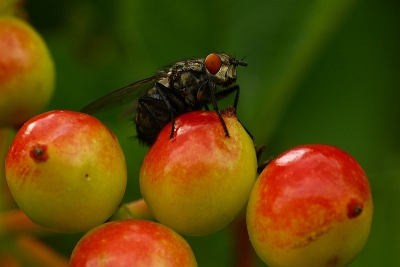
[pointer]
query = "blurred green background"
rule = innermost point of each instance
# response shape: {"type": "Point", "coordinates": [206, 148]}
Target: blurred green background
{"type": "Point", "coordinates": [319, 72]}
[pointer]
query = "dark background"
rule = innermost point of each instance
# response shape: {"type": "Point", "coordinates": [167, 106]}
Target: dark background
{"type": "Point", "coordinates": [319, 72]}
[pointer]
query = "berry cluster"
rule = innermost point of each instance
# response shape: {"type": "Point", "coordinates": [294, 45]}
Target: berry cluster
{"type": "Point", "coordinates": [310, 206]}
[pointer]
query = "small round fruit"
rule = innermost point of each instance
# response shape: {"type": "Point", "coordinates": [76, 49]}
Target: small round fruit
{"type": "Point", "coordinates": [132, 243]}
{"type": "Point", "coordinates": [199, 181]}
{"type": "Point", "coordinates": [26, 72]}
{"type": "Point", "coordinates": [66, 171]}
{"type": "Point", "coordinates": [310, 207]}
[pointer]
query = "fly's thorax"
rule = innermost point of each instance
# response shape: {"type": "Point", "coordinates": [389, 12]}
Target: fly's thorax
{"type": "Point", "coordinates": [194, 64]}
{"type": "Point", "coordinates": [186, 78]}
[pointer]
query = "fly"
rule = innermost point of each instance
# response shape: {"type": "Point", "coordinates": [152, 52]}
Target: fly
{"type": "Point", "coordinates": [185, 86]}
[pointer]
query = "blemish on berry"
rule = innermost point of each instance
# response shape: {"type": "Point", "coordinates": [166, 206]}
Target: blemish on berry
{"type": "Point", "coordinates": [228, 112]}
{"type": "Point", "coordinates": [354, 208]}
{"type": "Point", "coordinates": [38, 153]}
{"type": "Point", "coordinates": [333, 262]}
{"type": "Point", "coordinates": [312, 237]}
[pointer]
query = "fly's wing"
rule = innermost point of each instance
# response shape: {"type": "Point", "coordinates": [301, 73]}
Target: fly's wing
{"type": "Point", "coordinates": [122, 96]}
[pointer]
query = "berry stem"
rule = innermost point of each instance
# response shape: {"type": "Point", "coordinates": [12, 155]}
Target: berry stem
{"type": "Point", "coordinates": [137, 209]}
{"type": "Point", "coordinates": [243, 251]}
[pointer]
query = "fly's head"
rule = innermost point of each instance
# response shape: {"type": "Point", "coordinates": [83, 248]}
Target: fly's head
{"type": "Point", "coordinates": [221, 68]}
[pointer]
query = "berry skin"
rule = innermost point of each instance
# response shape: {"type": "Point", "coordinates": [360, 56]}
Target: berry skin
{"type": "Point", "coordinates": [311, 206]}
{"type": "Point", "coordinates": [199, 181]}
{"type": "Point", "coordinates": [132, 243]}
{"type": "Point", "coordinates": [66, 171]}
{"type": "Point", "coordinates": [27, 72]}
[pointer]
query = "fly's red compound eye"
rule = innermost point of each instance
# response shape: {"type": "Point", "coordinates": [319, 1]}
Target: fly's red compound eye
{"type": "Point", "coordinates": [213, 63]}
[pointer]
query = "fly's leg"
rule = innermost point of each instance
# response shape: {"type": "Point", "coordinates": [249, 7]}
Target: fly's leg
{"type": "Point", "coordinates": [247, 131]}
{"type": "Point", "coordinates": [216, 109]}
{"type": "Point", "coordinates": [169, 96]}
{"type": "Point", "coordinates": [224, 93]}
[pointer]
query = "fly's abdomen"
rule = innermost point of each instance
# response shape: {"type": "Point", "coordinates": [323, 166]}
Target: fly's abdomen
{"type": "Point", "coordinates": [149, 120]}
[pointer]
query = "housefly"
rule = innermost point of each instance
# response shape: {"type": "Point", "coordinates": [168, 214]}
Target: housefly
{"type": "Point", "coordinates": [187, 85]}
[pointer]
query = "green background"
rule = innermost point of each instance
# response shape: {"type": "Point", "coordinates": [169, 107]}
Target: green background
{"type": "Point", "coordinates": [319, 72]}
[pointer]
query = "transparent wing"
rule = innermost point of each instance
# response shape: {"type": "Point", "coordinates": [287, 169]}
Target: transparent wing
{"type": "Point", "coordinates": [122, 96]}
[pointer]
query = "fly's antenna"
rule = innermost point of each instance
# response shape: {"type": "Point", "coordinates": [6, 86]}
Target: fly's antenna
{"type": "Point", "coordinates": [241, 62]}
